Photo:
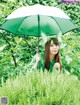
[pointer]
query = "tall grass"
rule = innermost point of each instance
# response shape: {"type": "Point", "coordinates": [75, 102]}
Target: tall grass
{"type": "Point", "coordinates": [38, 88]}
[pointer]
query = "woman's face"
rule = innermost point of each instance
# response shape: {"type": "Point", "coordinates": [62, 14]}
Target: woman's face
{"type": "Point", "coordinates": [54, 48]}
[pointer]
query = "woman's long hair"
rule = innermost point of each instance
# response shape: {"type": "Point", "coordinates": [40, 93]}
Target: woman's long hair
{"type": "Point", "coordinates": [47, 52]}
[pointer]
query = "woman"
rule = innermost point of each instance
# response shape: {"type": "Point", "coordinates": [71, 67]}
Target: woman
{"type": "Point", "coordinates": [50, 59]}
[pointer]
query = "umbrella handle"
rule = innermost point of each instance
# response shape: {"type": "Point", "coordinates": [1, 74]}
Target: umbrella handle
{"type": "Point", "coordinates": [38, 32]}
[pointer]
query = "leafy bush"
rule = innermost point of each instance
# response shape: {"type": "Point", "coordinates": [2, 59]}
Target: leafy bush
{"type": "Point", "coordinates": [42, 88]}
{"type": "Point", "coordinates": [70, 55]}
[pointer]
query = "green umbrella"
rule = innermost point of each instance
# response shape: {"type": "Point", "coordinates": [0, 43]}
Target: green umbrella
{"type": "Point", "coordinates": [37, 19]}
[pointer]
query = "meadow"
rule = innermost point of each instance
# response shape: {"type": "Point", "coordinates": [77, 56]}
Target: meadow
{"type": "Point", "coordinates": [42, 88]}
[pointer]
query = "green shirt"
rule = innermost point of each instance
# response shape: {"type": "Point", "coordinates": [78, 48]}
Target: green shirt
{"type": "Point", "coordinates": [41, 63]}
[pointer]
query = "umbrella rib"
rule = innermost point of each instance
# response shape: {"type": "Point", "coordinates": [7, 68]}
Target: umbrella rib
{"type": "Point", "coordinates": [20, 24]}
{"type": "Point", "coordinates": [57, 23]}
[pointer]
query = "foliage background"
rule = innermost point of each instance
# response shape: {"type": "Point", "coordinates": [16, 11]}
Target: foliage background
{"type": "Point", "coordinates": [16, 52]}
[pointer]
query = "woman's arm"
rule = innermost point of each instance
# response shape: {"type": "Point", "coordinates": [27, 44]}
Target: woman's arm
{"type": "Point", "coordinates": [34, 63]}
{"type": "Point", "coordinates": [37, 61]}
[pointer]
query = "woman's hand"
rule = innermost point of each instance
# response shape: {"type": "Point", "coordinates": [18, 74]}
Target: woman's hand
{"type": "Point", "coordinates": [57, 65]}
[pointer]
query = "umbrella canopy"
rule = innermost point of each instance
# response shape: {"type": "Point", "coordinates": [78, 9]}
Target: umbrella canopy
{"type": "Point", "coordinates": [37, 19]}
